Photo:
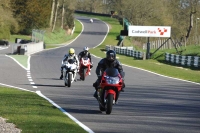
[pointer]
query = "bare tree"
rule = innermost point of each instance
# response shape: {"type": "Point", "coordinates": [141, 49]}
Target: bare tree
{"type": "Point", "coordinates": [52, 13]}
{"type": "Point", "coordinates": [63, 13]}
{"type": "Point", "coordinates": [55, 16]}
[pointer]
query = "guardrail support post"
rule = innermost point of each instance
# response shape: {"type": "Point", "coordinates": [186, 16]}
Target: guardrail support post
{"type": "Point", "coordinates": [148, 49]}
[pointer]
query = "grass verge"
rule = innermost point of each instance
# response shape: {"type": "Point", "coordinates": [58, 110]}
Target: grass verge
{"type": "Point", "coordinates": [157, 64]}
{"type": "Point", "coordinates": [59, 37]}
{"type": "Point", "coordinates": [22, 59]}
{"type": "Point", "coordinates": [32, 113]}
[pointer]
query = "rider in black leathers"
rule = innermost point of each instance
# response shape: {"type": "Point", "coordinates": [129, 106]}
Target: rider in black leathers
{"type": "Point", "coordinates": [109, 62]}
{"type": "Point", "coordinates": [85, 53]}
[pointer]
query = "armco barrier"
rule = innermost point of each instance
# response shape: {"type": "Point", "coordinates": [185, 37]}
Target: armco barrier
{"type": "Point", "coordinates": [183, 60]}
{"type": "Point", "coordinates": [126, 51]}
{"type": "Point", "coordinates": [189, 60]}
{"type": "Point", "coordinates": [172, 58]}
{"type": "Point", "coordinates": [167, 56]}
{"type": "Point", "coordinates": [196, 61]}
{"type": "Point", "coordinates": [108, 47]}
{"type": "Point", "coordinates": [122, 50]}
{"type": "Point", "coordinates": [177, 59]}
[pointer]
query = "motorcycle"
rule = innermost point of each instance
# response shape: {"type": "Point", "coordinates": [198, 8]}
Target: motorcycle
{"type": "Point", "coordinates": [109, 89]}
{"type": "Point", "coordinates": [69, 72]}
{"type": "Point", "coordinates": [84, 67]}
{"type": "Point", "coordinates": [91, 20]}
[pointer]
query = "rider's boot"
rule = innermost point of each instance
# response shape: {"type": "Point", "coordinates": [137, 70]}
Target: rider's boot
{"type": "Point", "coordinates": [122, 90]}
{"type": "Point", "coordinates": [95, 93]}
{"type": "Point", "coordinates": [61, 76]}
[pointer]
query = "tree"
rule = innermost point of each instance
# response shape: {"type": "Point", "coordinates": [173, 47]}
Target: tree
{"type": "Point", "coordinates": [52, 12]}
{"type": "Point", "coordinates": [7, 23]}
{"type": "Point", "coordinates": [32, 14]}
{"type": "Point", "coordinates": [55, 18]}
{"type": "Point", "coordinates": [63, 13]}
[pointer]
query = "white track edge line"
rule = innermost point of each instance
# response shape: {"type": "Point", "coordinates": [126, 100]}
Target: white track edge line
{"type": "Point", "coordinates": [66, 113]}
{"type": "Point", "coordinates": [162, 75]}
{"type": "Point", "coordinates": [16, 87]}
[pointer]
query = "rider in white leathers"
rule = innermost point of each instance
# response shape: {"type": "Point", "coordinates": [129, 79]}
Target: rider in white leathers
{"type": "Point", "coordinates": [71, 55]}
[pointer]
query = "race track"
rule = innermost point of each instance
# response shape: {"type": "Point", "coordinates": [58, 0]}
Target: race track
{"type": "Point", "coordinates": [151, 103]}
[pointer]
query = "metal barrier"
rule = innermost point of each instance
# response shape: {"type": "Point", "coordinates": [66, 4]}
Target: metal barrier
{"type": "Point", "coordinates": [189, 60]}
{"type": "Point", "coordinates": [196, 61]}
{"type": "Point", "coordinates": [177, 59]}
{"type": "Point", "coordinates": [183, 60]}
{"type": "Point", "coordinates": [172, 58]}
{"type": "Point", "coordinates": [126, 51]}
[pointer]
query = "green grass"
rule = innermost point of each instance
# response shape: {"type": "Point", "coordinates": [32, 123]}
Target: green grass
{"type": "Point", "coordinates": [22, 59]}
{"type": "Point", "coordinates": [59, 36]}
{"type": "Point", "coordinates": [56, 38]}
{"type": "Point", "coordinates": [32, 113]}
{"type": "Point", "coordinates": [13, 37]}
{"type": "Point", "coordinates": [157, 64]}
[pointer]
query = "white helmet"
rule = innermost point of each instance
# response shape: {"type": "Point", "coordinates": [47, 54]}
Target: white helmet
{"type": "Point", "coordinates": [85, 48]}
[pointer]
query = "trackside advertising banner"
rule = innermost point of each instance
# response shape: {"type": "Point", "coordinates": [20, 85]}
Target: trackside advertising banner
{"type": "Point", "coordinates": [149, 31]}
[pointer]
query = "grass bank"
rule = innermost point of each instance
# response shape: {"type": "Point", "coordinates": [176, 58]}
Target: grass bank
{"type": "Point", "coordinates": [32, 113]}
{"type": "Point", "coordinates": [157, 64]}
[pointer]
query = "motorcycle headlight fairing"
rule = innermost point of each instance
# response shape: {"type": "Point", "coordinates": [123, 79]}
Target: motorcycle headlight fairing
{"type": "Point", "coordinates": [112, 80]}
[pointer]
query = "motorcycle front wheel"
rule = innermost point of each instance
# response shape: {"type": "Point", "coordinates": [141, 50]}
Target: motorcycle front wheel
{"type": "Point", "coordinates": [69, 79]}
{"type": "Point", "coordinates": [109, 103]}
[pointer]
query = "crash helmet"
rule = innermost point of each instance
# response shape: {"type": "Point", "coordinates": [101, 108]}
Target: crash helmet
{"type": "Point", "coordinates": [71, 51]}
{"type": "Point", "coordinates": [85, 49]}
{"type": "Point", "coordinates": [110, 55]}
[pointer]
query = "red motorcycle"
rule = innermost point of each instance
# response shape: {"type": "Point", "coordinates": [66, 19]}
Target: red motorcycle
{"type": "Point", "coordinates": [109, 89]}
{"type": "Point", "coordinates": [84, 69]}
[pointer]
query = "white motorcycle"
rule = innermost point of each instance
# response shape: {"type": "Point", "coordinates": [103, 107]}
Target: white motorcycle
{"type": "Point", "coordinates": [69, 72]}
{"type": "Point", "coordinates": [91, 20]}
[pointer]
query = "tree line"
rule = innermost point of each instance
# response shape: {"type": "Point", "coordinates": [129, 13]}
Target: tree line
{"type": "Point", "coordinates": [182, 15]}
{"type": "Point", "coordinates": [21, 16]}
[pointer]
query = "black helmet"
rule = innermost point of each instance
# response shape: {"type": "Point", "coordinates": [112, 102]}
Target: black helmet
{"type": "Point", "coordinates": [111, 55]}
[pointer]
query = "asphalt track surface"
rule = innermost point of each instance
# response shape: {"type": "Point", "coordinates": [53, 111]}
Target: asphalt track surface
{"type": "Point", "coordinates": [151, 103]}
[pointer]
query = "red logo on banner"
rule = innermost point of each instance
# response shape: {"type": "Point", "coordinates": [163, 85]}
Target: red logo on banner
{"type": "Point", "coordinates": [162, 31]}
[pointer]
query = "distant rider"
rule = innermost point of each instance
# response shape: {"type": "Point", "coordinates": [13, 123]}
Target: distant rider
{"type": "Point", "coordinates": [71, 55]}
{"type": "Point", "coordinates": [91, 20]}
{"type": "Point", "coordinates": [109, 62]}
{"type": "Point", "coordinates": [85, 53]}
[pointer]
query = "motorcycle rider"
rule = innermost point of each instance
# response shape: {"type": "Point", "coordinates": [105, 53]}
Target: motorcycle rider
{"type": "Point", "coordinates": [91, 20]}
{"type": "Point", "coordinates": [85, 53]}
{"type": "Point", "coordinates": [70, 55]}
{"type": "Point", "coordinates": [109, 62]}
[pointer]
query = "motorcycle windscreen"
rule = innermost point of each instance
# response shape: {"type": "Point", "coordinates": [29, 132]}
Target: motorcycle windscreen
{"type": "Point", "coordinates": [71, 61]}
{"type": "Point", "coordinates": [85, 58]}
{"type": "Point", "coordinates": [112, 72]}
